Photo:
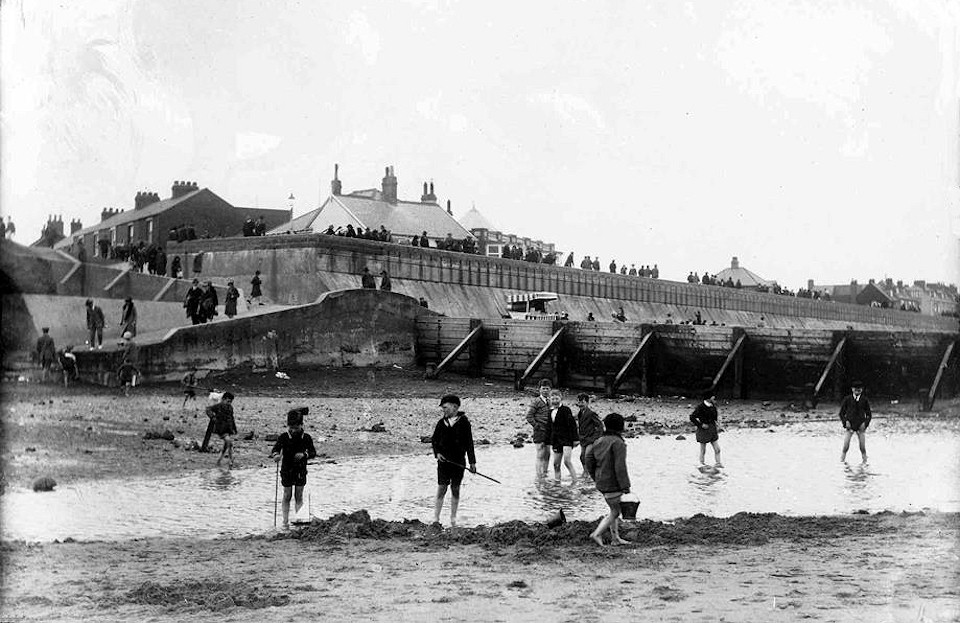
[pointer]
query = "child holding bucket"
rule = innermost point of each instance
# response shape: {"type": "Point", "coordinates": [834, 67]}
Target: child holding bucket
{"type": "Point", "coordinates": [292, 450]}
{"type": "Point", "coordinates": [606, 462]}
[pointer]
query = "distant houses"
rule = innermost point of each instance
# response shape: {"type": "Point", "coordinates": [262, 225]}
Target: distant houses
{"type": "Point", "coordinates": [935, 299]}
{"type": "Point", "coordinates": [190, 211]}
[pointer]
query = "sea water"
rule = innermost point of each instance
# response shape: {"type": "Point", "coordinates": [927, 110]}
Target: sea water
{"type": "Point", "coordinates": [792, 469]}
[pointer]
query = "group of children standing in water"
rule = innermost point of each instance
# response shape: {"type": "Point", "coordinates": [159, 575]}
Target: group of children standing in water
{"type": "Point", "coordinates": [603, 451]}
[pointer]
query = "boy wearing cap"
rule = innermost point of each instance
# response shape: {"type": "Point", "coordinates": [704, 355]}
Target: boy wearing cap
{"type": "Point", "coordinates": [293, 449]}
{"type": "Point", "coordinates": [452, 444]}
{"type": "Point", "coordinates": [606, 462]}
{"type": "Point", "coordinates": [46, 352]}
{"type": "Point", "coordinates": [855, 416]}
{"type": "Point", "coordinates": [538, 416]}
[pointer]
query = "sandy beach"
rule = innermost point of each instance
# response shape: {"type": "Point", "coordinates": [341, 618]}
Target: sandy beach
{"type": "Point", "coordinates": [748, 567]}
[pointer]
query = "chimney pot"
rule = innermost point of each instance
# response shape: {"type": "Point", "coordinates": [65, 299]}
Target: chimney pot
{"type": "Point", "coordinates": [734, 263]}
{"type": "Point", "coordinates": [449, 210]}
{"type": "Point", "coordinates": [390, 186]}
{"type": "Point", "coordinates": [335, 186]}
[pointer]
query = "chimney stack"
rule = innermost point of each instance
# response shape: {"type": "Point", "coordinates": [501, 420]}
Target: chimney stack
{"type": "Point", "coordinates": [75, 226]}
{"type": "Point", "coordinates": [449, 209]}
{"type": "Point", "coordinates": [180, 189]}
{"type": "Point", "coordinates": [107, 212]}
{"type": "Point", "coordinates": [145, 198]}
{"type": "Point", "coordinates": [389, 186]}
{"type": "Point", "coordinates": [335, 187]}
{"type": "Point", "coordinates": [734, 263]}
{"type": "Point", "coordinates": [809, 285]}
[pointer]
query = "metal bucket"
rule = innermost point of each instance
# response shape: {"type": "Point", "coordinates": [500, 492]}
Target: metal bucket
{"type": "Point", "coordinates": [629, 504]}
{"type": "Point", "coordinates": [556, 519]}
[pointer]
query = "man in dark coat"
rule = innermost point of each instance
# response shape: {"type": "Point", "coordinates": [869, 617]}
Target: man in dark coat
{"type": "Point", "coordinates": [855, 416]}
{"type": "Point", "coordinates": [367, 280]}
{"type": "Point", "coordinates": [95, 323]}
{"type": "Point", "coordinates": [208, 302]}
{"type": "Point", "coordinates": [191, 302]}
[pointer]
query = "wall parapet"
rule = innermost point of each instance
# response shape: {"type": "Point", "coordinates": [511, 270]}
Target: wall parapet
{"type": "Point", "coordinates": [337, 254]}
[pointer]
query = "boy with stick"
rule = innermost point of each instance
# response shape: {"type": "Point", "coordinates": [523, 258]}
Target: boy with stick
{"type": "Point", "coordinates": [292, 450]}
{"type": "Point", "coordinates": [452, 442]}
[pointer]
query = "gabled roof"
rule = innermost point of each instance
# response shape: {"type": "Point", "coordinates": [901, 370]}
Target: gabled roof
{"type": "Point", "coordinates": [133, 215]}
{"type": "Point", "coordinates": [472, 219]}
{"type": "Point", "coordinates": [405, 218]}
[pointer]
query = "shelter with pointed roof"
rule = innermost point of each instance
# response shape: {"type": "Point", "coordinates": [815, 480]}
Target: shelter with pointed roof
{"type": "Point", "coordinates": [492, 239]}
{"type": "Point", "coordinates": [747, 278]}
{"type": "Point", "coordinates": [374, 208]}
{"type": "Point", "coordinates": [152, 218]}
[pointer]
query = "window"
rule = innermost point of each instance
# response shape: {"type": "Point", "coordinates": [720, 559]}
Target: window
{"type": "Point", "coordinates": [96, 245]}
{"type": "Point", "coordinates": [149, 230]}
{"type": "Point", "coordinates": [113, 236]}
{"type": "Point", "coordinates": [493, 250]}
{"type": "Point", "coordinates": [130, 233]}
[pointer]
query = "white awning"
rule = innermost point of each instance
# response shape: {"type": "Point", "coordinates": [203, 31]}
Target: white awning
{"type": "Point", "coordinates": [532, 296]}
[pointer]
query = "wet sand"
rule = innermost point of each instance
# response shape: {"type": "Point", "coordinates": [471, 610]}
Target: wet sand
{"type": "Point", "coordinates": [747, 567]}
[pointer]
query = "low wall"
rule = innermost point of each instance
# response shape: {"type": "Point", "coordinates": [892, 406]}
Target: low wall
{"type": "Point", "coordinates": [298, 268]}
{"type": "Point", "coordinates": [344, 328]}
{"type": "Point", "coordinates": [683, 359]}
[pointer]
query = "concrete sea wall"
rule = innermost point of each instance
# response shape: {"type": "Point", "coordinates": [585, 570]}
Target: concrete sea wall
{"type": "Point", "coordinates": [298, 268]}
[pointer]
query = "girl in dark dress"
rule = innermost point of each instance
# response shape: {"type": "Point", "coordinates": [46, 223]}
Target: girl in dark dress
{"type": "Point", "coordinates": [705, 419]}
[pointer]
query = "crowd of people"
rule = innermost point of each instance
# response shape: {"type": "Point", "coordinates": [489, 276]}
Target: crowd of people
{"type": "Point", "coordinates": [254, 228]}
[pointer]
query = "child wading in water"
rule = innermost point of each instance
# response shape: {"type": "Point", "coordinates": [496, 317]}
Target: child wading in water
{"type": "Point", "coordinates": [452, 443]}
{"type": "Point", "coordinates": [293, 449]}
{"type": "Point", "coordinates": [705, 419]}
{"type": "Point", "coordinates": [606, 462]}
{"type": "Point", "coordinates": [223, 425]}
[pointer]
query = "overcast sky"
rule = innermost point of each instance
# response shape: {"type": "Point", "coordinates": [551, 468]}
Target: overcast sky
{"type": "Point", "coordinates": [811, 139]}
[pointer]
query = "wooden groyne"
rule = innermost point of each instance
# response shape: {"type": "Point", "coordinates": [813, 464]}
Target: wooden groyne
{"type": "Point", "coordinates": [683, 359]}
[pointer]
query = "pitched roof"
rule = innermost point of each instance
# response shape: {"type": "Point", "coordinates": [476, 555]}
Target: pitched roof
{"type": "Point", "coordinates": [405, 218]}
{"type": "Point", "coordinates": [747, 278]}
{"type": "Point", "coordinates": [132, 215]}
{"type": "Point", "coordinates": [472, 219]}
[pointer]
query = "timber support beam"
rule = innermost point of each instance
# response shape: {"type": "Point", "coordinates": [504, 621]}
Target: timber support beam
{"type": "Point", "coordinates": [545, 352]}
{"type": "Point", "coordinates": [735, 359]}
{"type": "Point", "coordinates": [927, 404]}
{"type": "Point", "coordinates": [836, 359]}
{"type": "Point", "coordinates": [639, 355]}
{"type": "Point", "coordinates": [476, 331]}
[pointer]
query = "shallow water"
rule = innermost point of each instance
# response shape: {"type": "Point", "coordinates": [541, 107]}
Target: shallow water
{"type": "Point", "coordinates": [794, 470]}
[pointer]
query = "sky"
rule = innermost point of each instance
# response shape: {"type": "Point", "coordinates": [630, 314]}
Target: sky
{"type": "Point", "coordinates": [813, 140]}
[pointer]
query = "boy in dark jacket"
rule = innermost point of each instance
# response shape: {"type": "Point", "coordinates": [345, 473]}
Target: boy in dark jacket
{"type": "Point", "coordinates": [293, 449]}
{"type": "Point", "coordinates": [705, 418]}
{"type": "Point", "coordinates": [563, 433]}
{"type": "Point", "coordinates": [589, 427]}
{"type": "Point", "coordinates": [607, 464]}
{"type": "Point", "coordinates": [855, 416]}
{"type": "Point", "coordinates": [452, 443]}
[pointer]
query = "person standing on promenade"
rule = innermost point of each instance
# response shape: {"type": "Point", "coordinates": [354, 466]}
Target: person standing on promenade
{"type": "Point", "coordinates": [606, 462]}
{"type": "Point", "coordinates": [855, 416]}
{"type": "Point", "coordinates": [230, 300]}
{"type": "Point", "coordinates": [191, 302]}
{"type": "Point", "coordinates": [95, 323]}
{"type": "Point", "coordinates": [705, 418]}
{"type": "Point", "coordinates": [589, 427]}
{"type": "Point", "coordinates": [292, 450]}
{"type": "Point", "coordinates": [208, 303]}
{"type": "Point", "coordinates": [453, 448]}
{"type": "Point", "coordinates": [563, 434]}
{"type": "Point", "coordinates": [46, 352]}
{"type": "Point", "coordinates": [255, 292]}
{"type": "Point", "coordinates": [538, 416]}
{"type": "Point", "coordinates": [385, 284]}
{"type": "Point", "coordinates": [367, 280]}
{"type": "Point", "coordinates": [128, 317]}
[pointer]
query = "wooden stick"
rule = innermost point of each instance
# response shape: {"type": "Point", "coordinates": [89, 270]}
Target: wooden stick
{"type": "Point", "coordinates": [473, 472]}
